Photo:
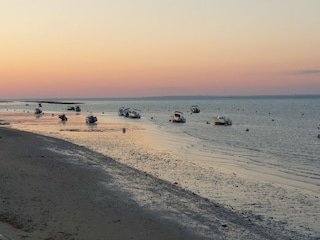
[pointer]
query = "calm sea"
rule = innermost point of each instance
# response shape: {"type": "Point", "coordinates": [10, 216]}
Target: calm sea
{"type": "Point", "coordinates": [277, 135]}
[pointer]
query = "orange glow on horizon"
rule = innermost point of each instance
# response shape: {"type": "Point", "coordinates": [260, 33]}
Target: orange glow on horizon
{"type": "Point", "coordinates": [153, 48]}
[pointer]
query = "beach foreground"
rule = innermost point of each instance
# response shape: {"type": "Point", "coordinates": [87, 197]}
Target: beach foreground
{"type": "Point", "coordinates": [46, 195]}
{"type": "Point", "coordinates": [52, 189]}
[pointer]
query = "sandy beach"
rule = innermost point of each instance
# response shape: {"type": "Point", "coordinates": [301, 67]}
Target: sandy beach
{"type": "Point", "coordinates": [47, 195]}
{"type": "Point", "coordinates": [56, 189]}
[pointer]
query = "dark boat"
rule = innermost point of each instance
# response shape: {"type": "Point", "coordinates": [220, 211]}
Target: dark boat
{"type": "Point", "coordinates": [195, 109]}
{"type": "Point", "coordinates": [91, 119]}
{"type": "Point", "coordinates": [63, 117]}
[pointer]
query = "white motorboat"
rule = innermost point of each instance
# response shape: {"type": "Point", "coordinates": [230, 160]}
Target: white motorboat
{"type": "Point", "coordinates": [222, 120]}
{"type": "Point", "coordinates": [129, 112]}
{"type": "Point", "coordinates": [91, 119]}
{"type": "Point", "coordinates": [195, 109]}
{"type": "Point", "coordinates": [178, 117]}
{"type": "Point", "coordinates": [134, 113]}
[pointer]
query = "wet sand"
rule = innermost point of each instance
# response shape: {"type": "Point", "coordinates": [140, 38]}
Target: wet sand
{"type": "Point", "coordinates": [54, 189]}
{"type": "Point", "coordinates": [49, 195]}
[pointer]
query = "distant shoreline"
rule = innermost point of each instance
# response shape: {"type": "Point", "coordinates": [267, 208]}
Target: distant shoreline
{"type": "Point", "coordinates": [56, 102]}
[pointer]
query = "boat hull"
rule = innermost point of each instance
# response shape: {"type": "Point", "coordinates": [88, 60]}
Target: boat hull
{"type": "Point", "coordinates": [178, 121]}
{"type": "Point", "coordinates": [221, 120]}
{"type": "Point", "coordinates": [220, 123]}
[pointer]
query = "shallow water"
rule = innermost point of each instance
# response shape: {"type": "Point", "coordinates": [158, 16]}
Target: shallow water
{"type": "Point", "coordinates": [282, 138]}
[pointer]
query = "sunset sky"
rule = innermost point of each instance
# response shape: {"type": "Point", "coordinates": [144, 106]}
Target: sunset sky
{"type": "Point", "coordinates": [138, 48]}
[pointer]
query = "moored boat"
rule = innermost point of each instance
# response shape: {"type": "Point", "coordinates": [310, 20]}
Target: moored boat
{"type": "Point", "coordinates": [78, 109]}
{"type": "Point", "coordinates": [63, 117]}
{"type": "Point", "coordinates": [178, 117]}
{"type": "Point", "coordinates": [195, 109]}
{"type": "Point", "coordinates": [38, 111]}
{"type": "Point", "coordinates": [134, 113]}
{"type": "Point", "coordinates": [91, 119]}
{"type": "Point", "coordinates": [222, 120]}
{"type": "Point", "coordinates": [129, 112]}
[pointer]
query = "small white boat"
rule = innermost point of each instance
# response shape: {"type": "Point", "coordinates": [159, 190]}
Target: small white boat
{"type": "Point", "coordinates": [134, 113]}
{"type": "Point", "coordinates": [91, 119]}
{"type": "Point", "coordinates": [63, 117]}
{"type": "Point", "coordinates": [222, 120]}
{"type": "Point", "coordinates": [178, 117]}
{"type": "Point", "coordinates": [195, 109]}
{"type": "Point", "coordinates": [38, 111]}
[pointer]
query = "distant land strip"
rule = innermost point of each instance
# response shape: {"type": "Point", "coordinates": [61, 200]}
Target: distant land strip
{"type": "Point", "coordinates": [55, 102]}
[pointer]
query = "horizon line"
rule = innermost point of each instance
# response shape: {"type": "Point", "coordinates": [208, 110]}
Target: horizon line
{"type": "Point", "coordinates": [158, 97]}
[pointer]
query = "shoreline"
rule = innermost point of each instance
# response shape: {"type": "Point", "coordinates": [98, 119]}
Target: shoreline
{"type": "Point", "coordinates": [263, 173]}
{"type": "Point", "coordinates": [262, 203]}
